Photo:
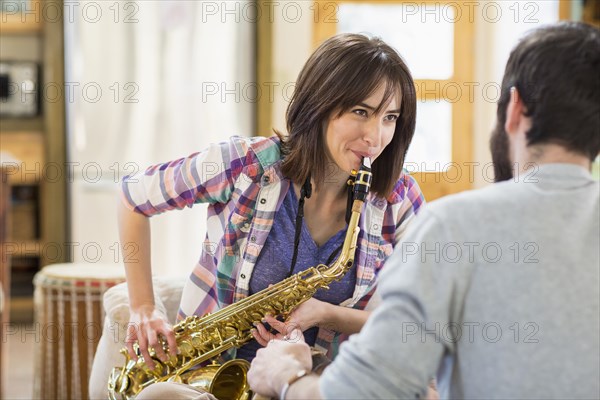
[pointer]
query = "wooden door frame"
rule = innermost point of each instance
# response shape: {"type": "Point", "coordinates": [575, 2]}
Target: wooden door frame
{"type": "Point", "coordinates": [457, 177]}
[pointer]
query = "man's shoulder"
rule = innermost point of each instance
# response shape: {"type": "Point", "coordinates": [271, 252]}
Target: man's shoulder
{"type": "Point", "coordinates": [472, 202]}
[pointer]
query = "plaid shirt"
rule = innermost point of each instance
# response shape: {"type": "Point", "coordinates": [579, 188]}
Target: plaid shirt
{"type": "Point", "coordinates": [241, 181]}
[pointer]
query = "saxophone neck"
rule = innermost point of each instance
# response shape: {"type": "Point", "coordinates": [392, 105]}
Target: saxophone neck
{"type": "Point", "coordinates": [361, 183]}
{"type": "Point", "coordinates": [349, 247]}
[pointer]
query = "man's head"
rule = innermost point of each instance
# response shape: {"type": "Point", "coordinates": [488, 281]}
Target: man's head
{"type": "Point", "coordinates": [553, 77]}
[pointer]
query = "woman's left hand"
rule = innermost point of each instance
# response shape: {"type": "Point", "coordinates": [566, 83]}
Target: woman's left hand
{"type": "Point", "coordinates": [311, 313]}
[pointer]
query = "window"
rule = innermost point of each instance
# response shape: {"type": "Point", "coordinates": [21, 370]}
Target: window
{"type": "Point", "coordinates": [436, 41]}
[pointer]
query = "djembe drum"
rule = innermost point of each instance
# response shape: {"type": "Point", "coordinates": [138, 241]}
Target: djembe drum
{"type": "Point", "coordinates": [69, 318]}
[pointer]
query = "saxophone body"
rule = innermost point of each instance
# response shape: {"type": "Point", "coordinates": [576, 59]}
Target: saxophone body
{"type": "Point", "coordinates": [200, 340]}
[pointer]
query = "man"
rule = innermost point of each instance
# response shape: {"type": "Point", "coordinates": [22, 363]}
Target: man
{"type": "Point", "coordinates": [498, 291]}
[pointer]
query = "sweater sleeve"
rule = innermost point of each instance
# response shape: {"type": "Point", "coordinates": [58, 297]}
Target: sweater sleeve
{"type": "Point", "coordinates": [402, 344]}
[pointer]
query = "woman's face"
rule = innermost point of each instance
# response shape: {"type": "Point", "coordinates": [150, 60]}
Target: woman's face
{"type": "Point", "coordinates": [360, 132]}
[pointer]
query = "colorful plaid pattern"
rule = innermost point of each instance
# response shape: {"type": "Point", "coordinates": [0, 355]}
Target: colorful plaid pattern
{"type": "Point", "coordinates": [241, 181]}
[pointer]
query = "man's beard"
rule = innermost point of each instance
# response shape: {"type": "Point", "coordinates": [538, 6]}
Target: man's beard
{"type": "Point", "coordinates": [499, 147]}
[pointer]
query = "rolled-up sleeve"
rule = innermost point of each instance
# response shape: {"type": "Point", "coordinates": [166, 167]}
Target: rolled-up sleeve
{"type": "Point", "coordinates": [204, 177]}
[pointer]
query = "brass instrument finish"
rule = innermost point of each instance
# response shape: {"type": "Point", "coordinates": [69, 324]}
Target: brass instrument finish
{"type": "Point", "coordinates": [203, 339]}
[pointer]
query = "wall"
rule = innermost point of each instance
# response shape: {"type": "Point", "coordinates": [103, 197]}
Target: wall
{"type": "Point", "coordinates": [174, 55]}
{"type": "Point", "coordinates": [495, 36]}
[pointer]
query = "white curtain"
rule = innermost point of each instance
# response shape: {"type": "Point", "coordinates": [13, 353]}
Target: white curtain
{"type": "Point", "coordinates": [171, 78]}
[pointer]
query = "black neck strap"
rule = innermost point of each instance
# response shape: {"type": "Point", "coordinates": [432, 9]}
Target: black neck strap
{"type": "Point", "coordinates": [306, 192]}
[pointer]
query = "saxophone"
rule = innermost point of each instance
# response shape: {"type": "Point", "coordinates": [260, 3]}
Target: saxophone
{"type": "Point", "coordinates": [201, 340]}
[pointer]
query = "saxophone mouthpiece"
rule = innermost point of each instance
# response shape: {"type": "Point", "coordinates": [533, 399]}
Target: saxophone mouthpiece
{"type": "Point", "coordinates": [362, 182]}
{"type": "Point", "coordinates": [366, 162]}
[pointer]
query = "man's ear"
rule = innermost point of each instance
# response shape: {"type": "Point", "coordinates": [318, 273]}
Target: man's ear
{"type": "Point", "coordinates": [515, 112]}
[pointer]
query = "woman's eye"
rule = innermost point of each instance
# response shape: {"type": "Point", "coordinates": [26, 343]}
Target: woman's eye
{"type": "Point", "coordinates": [391, 117]}
{"type": "Point", "coordinates": [360, 111]}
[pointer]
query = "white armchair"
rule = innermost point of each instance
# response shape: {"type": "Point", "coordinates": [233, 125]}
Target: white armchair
{"type": "Point", "coordinates": [167, 294]}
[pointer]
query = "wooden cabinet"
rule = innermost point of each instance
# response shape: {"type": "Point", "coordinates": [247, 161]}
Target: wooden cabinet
{"type": "Point", "coordinates": [4, 260]}
{"type": "Point", "coordinates": [38, 198]}
{"type": "Point", "coordinates": [23, 249]}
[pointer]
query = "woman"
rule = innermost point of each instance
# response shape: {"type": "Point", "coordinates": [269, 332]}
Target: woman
{"type": "Point", "coordinates": [354, 98]}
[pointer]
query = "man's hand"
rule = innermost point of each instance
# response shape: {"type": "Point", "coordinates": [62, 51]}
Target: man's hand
{"type": "Point", "coordinates": [277, 363]}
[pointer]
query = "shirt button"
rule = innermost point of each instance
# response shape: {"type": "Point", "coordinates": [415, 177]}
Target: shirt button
{"type": "Point", "coordinates": [253, 239]}
{"type": "Point", "coordinates": [243, 276]}
{"type": "Point", "coordinates": [263, 201]}
{"type": "Point", "coordinates": [266, 179]}
{"type": "Point", "coordinates": [375, 226]}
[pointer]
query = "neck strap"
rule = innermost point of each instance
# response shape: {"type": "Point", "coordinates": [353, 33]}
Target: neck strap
{"type": "Point", "coordinates": [306, 192]}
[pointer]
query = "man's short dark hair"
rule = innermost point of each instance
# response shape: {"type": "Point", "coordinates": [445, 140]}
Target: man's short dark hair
{"type": "Point", "coordinates": [556, 72]}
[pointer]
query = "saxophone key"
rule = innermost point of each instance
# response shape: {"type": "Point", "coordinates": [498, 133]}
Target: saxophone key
{"type": "Point", "coordinates": [186, 349]}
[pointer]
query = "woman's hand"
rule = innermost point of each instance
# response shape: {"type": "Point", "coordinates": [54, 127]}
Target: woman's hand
{"type": "Point", "coordinates": [146, 323]}
{"type": "Point", "coordinates": [311, 313]}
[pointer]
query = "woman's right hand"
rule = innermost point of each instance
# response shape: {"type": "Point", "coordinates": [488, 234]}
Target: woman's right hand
{"type": "Point", "coordinates": [146, 324]}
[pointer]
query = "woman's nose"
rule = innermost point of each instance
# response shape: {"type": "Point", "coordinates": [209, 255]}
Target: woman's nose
{"type": "Point", "coordinates": [372, 134]}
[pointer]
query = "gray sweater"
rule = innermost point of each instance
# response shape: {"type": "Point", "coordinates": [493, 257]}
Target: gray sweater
{"type": "Point", "coordinates": [495, 290]}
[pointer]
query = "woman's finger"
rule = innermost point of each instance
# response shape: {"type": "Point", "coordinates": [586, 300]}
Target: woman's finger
{"type": "Point", "coordinates": [171, 341]}
{"type": "Point", "coordinates": [130, 339]}
{"type": "Point", "coordinates": [143, 346]}
{"type": "Point", "coordinates": [264, 333]}
{"type": "Point", "coordinates": [276, 324]}
{"type": "Point", "coordinates": [155, 344]}
{"type": "Point", "coordinates": [258, 338]}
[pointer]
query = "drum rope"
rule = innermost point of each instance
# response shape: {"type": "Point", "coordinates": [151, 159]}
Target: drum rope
{"type": "Point", "coordinates": [89, 317]}
{"type": "Point", "coordinates": [61, 347]}
{"type": "Point", "coordinates": [75, 380]}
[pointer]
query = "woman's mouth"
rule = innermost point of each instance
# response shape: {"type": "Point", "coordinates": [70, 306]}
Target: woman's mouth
{"type": "Point", "coordinates": [361, 154]}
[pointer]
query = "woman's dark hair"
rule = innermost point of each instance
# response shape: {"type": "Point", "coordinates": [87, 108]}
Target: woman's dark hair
{"type": "Point", "coordinates": [344, 71]}
{"type": "Point", "coordinates": [555, 70]}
